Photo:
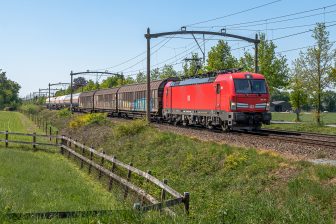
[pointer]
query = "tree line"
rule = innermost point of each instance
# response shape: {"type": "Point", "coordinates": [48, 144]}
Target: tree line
{"type": "Point", "coordinates": [9, 92]}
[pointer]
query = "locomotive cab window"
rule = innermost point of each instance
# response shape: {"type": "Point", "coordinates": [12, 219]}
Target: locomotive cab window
{"type": "Point", "coordinates": [249, 86]}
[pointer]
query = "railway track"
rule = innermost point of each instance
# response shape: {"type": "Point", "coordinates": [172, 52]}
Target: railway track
{"type": "Point", "coordinates": [313, 139]}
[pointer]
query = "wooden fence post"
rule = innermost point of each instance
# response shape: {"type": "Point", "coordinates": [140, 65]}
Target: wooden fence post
{"type": "Point", "coordinates": [69, 142]}
{"type": "Point", "coordinates": [6, 138]}
{"type": "Point", "coordinates": [69, 145]}
{"type": "Point", "coordinates": [75, 144]}
{"type": "Point", "coordinates": [50, 132]}
{"type": "Point", "coordinates": [112, 170]}
{"type": "Point", "coordinates": [46, 128]}
{"type": "Point", "coordinates": [163, 192]}
{"type": "Point", "coordinates": [128, 179]}
{"type": "Point", "coordinates": [62, 143]}
{"type": "Point", "coordinates": [143, 198]}
{"type": "Point", "coordinates": [91, 157]}
{"type": "Point", "coordinates": [185, 200]}
{"type": "Point", "coordinates": [83, 154]}
{"type": "Point", "coordinates": [102, 165]}
{"type": "Point", "coordinates": [56, 139]}
{"type": "Point", "coordinates": [34, 140]}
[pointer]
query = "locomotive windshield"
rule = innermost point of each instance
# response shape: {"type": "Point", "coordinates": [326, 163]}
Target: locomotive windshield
{"type": "Point", "coordinates": [250, 85]}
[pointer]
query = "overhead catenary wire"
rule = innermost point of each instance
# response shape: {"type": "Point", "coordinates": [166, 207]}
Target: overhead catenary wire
{"type": "Point", "coordinates": [233, 14]}
{"type": "Point", "coordinates": [139, 62]}
{"type": "Point", "coordinates": [300, 48]}
{"type": "Point", "coordinates": [131, 59]}
{"type": "Point", "coordinates": [269, 20]}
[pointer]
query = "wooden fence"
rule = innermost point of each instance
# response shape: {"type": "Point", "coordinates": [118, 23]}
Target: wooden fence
{"type": "Point", "coordinates": [108, 166]}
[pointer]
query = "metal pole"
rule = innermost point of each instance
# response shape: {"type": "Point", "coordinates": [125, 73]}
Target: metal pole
{"type": "Point", "coordinates": [148, 76]}
{"type": "Point", "coordinates": [71, 74]}
{"type": "Point", "coordinates": [203, 50]}
{"type": "Point", "coordinates": [256, 69]}
{"type": "Point", "coordinates": [49, 98]}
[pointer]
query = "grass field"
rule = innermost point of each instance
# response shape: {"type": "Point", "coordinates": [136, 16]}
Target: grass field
{"type": "Point", "coordinates": [38, 181]}
{"type": "Point", "coordinates": [307, 124]}
{"type": "Point", "coordinates": [327, 118]}
{"type": "Point", "coordinates": [227, 184]}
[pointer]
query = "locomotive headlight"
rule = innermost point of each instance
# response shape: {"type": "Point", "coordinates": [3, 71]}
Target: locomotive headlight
{"type": "Point", "coordinates": [233, 106]}
{"type": "Point", "coordinates": [267, 105]}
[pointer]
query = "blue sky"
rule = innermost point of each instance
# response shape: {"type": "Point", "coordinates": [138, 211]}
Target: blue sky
{"type": "Point", "coordinates": [41, 41]}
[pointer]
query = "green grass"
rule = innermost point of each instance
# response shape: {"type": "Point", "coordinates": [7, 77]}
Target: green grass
{"type": "Point", "coordinates": [327, 118]}
{"type": "Point", "coordinates": [227, 184]}
{"type": "Point", "coordinates": [303, 127]}
{"type": "Point", "coordinates": [307, 125]}
{"type": "Point", "coordinates": [37, 181]}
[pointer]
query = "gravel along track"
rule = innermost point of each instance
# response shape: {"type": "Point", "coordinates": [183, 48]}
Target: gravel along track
{"type": "Point", "coordinates": [289, 148]}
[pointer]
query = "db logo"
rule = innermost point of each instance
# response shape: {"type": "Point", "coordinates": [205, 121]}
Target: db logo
{"type": "Point", "coordinates": [251, 106]}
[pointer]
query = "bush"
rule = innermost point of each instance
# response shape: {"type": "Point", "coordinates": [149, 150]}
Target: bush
{"type": "Point", "coordinates": [30, 108]}
{"type": "Point", "coordinates": [87, 119]}
{"type": "Point", "coordinates": [64, 113]}
{"type": "Point", "coordinates": [130, 128]}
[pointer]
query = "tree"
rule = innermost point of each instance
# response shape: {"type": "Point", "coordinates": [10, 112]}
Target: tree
{"type": "Point", "coordinates": [9, 91]}
{"type": "Point", "coordinates": [317, 64]}
{"type": "Point", "coordinates": [79, 82]}
{"type": "Point", "coordinates": [278, 95]}
{"type": "Point", "coordinates": [168, 71]}
{"type": "Point", "coordinates": [91, 85]}
{"type": "Point", "coordinates": [220, 57]}
{"type": "Point", "coordinates": [114, 81]}
{"type": "Point", "coordinates": [140, 77]}
{"type": "Point", "coordinates": [274, 67]}
{"type": "Point", "coordinates": [155, 74]}
{"type": "Point", "coordinates": [298, 95]}
{"type": "Point", "coordinates": [192, 65]}
{"type": "Point", "coordinates": [329, 101]}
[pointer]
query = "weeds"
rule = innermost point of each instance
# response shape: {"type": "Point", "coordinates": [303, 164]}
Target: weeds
{"type": "Point", "coordinates": [128, 129]}
{"type": "Point", "coordinates": [64, 113]}
{"type": "Point", "coordinates": [30, 108]}
{"type": "Point", "coordinates": [87, 119]}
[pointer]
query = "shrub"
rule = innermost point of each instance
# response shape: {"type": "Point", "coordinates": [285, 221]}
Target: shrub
{"type": "Point", "coordinates": [30, 108]}
{"type": "Point", "coordinates": [87, 119]}
{"type": "Point", "coordinates": [130, 128]}
{"type": "Point", "coordinates": [64, 113]}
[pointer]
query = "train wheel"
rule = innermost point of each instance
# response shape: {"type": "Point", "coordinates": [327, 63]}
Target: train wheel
{"type": "Point", "coordinates": [225, 127]}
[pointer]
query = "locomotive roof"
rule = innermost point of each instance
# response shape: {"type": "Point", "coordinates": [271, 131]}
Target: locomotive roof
{"type": "Point", "coordinates": [218, 77]}
{"type": "Point", "coordinates": [242, 75]}
{"type": "Point", "coordinates": [192, 81]}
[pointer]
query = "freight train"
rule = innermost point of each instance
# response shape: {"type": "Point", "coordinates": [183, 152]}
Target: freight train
{"type": "Point", "coordinates": [225, 99]}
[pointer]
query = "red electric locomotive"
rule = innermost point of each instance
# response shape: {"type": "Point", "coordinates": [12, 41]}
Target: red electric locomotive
{"type": "Point", "coordinates": [229, 100]}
